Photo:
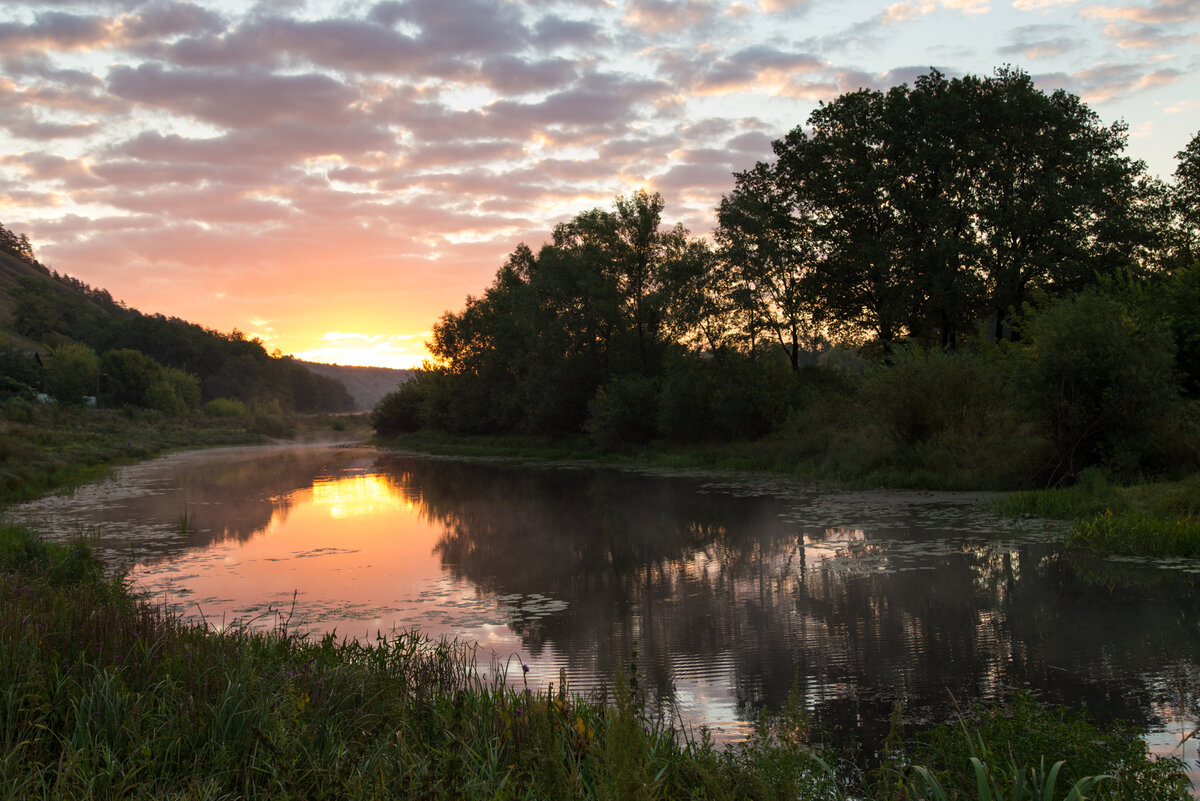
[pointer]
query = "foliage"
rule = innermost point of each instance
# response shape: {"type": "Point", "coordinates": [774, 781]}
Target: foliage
{"type": "Point", "coordinates": [624, 411]}
{"type": "Point", "coordinates": [926, 394]}
{"type": "Point", "coordinates": [1132, 533]}
{"type": "Point", "coordinates": [921, 219]}
{"type": "Point", "coordinates": [16, 244]}
{"type": "Point", "coordinates": [1002, 752]}
{"type": "Point", "coordinates": [1179, 298]}
{"type": "Point", "coordinates": [58, 309]}
{"type": "Point", "coordinates": [72, 373]}
{"type": "Point", "coordinates": [1186, 203]}
{"type": "Point", "coordinates": [402, 410]}
{"type": "Point", "coordinates": [225, 407]}
{"type": "Point", "coordinates": [1100, 383]}
{"type": "Point", "coordinates": [19, 367]}
{"type": "Point", "coordinates": [609, 297]}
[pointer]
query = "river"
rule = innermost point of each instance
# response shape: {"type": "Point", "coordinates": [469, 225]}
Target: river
{"type": "Point", "coordinates": [725, 591]}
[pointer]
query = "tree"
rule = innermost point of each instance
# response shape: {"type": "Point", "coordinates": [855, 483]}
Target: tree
{"type": "Point", "coordinates": [937, 205]}
{"type": "Point", "coordinates": [128, 376]}
{"type": "Point", "coordinates": [1049, 178]}
{"type": "Point", "coordinates": [767, 233]}
{"type": "Point", "coordinates": [842, 171]}
{"type": "Point", "coordinates": [607, 297]}
{"type": "Point", "coordinates": [1186, 202]}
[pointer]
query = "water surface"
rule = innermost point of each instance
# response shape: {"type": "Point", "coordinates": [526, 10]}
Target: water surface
{"type": "Point", "coordinates": [726, 591]}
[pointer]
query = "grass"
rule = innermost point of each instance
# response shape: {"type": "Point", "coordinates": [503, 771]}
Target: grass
{"type": "Point", "coordinates": [103, 695]}
{"type": "Point", "coordinates": [1151, 519]}
{"type": "Point", "coordinates": [48, 448]}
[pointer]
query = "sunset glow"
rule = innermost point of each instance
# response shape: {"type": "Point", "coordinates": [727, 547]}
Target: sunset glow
{"type": "Point", "coordinates": [332, 177]}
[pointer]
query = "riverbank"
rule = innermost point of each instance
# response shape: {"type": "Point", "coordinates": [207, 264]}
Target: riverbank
{"type": "Point", "coordinates": [108, 696]}
{"type": "Point", "coordinates": [1151, 518]}
{"type": "Point", "coordinates": [1157, 519]}
{"type": "Point", "coordinates": [50, 448]}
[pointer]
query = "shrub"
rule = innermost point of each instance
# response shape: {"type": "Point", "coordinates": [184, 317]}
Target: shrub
{"type": "Point", "coordinates": [927, 392]}
{"type": "Point", "coordinates": [1025, 739]}
{"type": "Point", "coordinates": [401, 411]}
{"type": "Point", "coordinates": [1099, 381]}
{"type": "Point", "coordinates": [71, 375]}
{"type": "Point", "coordinates": [225, 407]}
{"type": "Point", "coordinates": [624, 411]}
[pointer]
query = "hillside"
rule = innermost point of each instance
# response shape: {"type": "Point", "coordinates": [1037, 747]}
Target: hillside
{"type": "Point", "coordinates": [12, 270]}
{"type": "Point", "coordinates": [365, 384]}
{"type": "Point", "coordinates": [129, 350]}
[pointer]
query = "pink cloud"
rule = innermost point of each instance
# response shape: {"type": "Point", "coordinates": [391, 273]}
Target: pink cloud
{"type": "Point", "coordinates": [1159, 12]}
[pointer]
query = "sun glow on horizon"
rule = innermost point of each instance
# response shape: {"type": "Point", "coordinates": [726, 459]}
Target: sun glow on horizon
{"type": "Point", "coordinates": [353, 349]}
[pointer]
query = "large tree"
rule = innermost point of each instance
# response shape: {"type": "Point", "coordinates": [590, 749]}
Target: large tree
{"type": "Point", "coordinates": [1186, 201]}
{"type": "Point", "coordinates": [937, 205]}
{"type": "Point", "coordinates": [607, 297]}
{"type": "Point", "coordinates": [768, 241]}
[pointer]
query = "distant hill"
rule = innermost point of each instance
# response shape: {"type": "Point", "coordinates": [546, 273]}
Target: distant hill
{"type": "Point", "coordinates": [365, 384]}
{"type": "Point", "coordinates": [40, 309]}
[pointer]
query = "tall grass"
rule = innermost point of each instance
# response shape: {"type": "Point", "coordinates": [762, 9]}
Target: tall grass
{"type": "Point", "coordinates": [1151, 519]}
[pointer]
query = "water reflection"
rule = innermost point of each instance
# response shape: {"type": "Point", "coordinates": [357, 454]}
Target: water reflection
{"type": "Point", "coordinates": [729, 592]}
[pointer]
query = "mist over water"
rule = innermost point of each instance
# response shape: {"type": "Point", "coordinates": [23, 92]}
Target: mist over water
{"type": "Point", "coordinates": [726, 591]}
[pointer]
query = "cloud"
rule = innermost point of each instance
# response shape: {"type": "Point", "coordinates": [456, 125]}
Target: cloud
{"type": "Point", "coordinates": [553, 32]}
{"type": "Point", "coordinates": [778, 6]}
{"type": "Point", "coordinates": [234, 99]}
{"type": "Point", "coordinates": [904, 11]}
{"type": "Point", "coordinates": [1142, 37]}
{"type": "Point", "coordinates": [1041, 41]}
{"type": "Point", "coordinates": [166, 19]}
{"type": "Point", "coordinates": [1159, 12]}
{"type": "Point", "coordinates": [657, 16]}
{"type": "Point", "coordinates": [1041, 5]}
{"type": "Point", "coordinates": [1111, 81]}
{"type": "Point", "coordinates": [761, 68]}
{"type": "Point", "coordinates": [43, 166]}
{"type": "Point", "coordinates": [53, 31]}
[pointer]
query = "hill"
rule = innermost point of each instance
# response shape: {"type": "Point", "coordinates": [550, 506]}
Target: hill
{"type": "Point", "coordinates": [126, 357]}
{"type": "Point", "coordinates": [365, 384]}
{"type": "Point", "coordinates": [12, 270]}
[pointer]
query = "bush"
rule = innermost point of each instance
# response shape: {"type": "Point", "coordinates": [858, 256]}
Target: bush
{"type": "Point", "coordinates": [929, 393]}
{"type": "Point", "coordinates": [225, 407]}
{"type": "Point", "coordinates": [71, 376]}
{"type": "Point", "coordinates": [272, 425]}
{"type": "Point", "coordinates": [1025, 739]}
{"type": "Point", "coordinates": [401, 411]}
{"type": "Point", "coordinates": [624, 411]}
{"type": "Point", "coordinates": [1099, 381]}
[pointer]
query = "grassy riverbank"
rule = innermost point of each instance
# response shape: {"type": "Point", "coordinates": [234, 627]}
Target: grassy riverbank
{"type": "Point", "coordinates": [1152, 518]}
{"type": "Point", "coordinates": [47, 448]}
{"type": "Point", "coordinates": [105, 696]}
{"type": "Point", "coordinates": [1148, 519]}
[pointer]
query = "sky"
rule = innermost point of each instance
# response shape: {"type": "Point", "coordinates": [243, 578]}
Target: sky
{"type": "Point", "coordinates": [331, 177]}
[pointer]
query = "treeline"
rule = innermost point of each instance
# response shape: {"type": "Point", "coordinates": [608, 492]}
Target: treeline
{"type": "Point", "coordinates": [962, 281]}
{"type": "Point", "coordinates": [101, 349]}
